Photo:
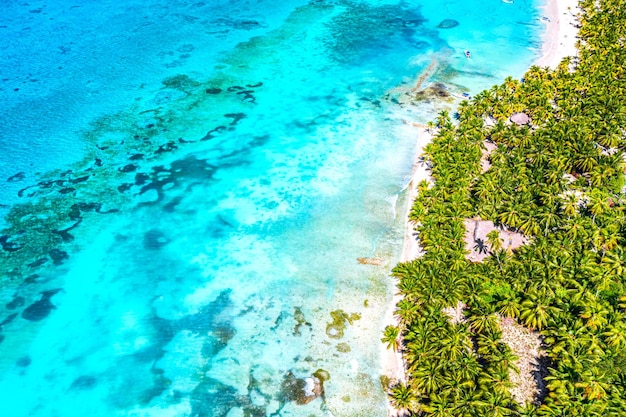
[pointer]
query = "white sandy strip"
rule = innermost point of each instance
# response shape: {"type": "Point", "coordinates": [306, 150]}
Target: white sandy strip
{"type": "Point", "coordinates": [560, 36]}
{"type": "Point", "coordinates": [392, 362]}
{"type": "Point", "coordinates": [411, 249]}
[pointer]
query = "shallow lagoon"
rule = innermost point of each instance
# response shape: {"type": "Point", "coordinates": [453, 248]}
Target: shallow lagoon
{"type": "Point", "coordinates": [191, 186]}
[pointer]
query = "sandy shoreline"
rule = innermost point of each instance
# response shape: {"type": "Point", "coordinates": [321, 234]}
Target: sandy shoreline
{"type": "Point", "coordinates": [559, 41]}
{"type": "Point", "coordinates": [392, 362]}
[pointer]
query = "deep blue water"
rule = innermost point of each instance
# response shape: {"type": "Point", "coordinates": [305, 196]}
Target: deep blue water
{"type": "Point", "coordinates": [186, 188]}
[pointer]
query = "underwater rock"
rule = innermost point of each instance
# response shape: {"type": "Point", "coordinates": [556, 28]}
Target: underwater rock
{"type": "Point", "coordinates": [58, 256]}
{"type": "Point", "coordinates": [298, 315]}
{"type": "Point", "coordinates": [16, 177]}
{"type": "Point", "coordinates": [336, 329]}
{"type": "Point", "coordinates": [236, 117]}
{"type": "Point", "coordinates": [67, 190]}
{"type": "Point", "coordinates": [124, 187]}
{"type": "Point", "coordinates": [161, 383]}
{"type": "Point", "coordinates": [281, 317]}
{"type": "Point", "coordinates": [15, 303]}
{"type": "Point", "coordinates": [180, 82]}
{"type": "Point", "coordinates": [171, 206]}
{"type": "Point", "coordinates": [259, 84]}
{"type": "Point", "coordinates": [214, 132]}
{"type": "Point", "coordinates": [211, 398]}
{"type": "Point", "coordinates": [370, 261]}
{"type": "Point", "coordinates": [141, 178]}
{"type": "Point", "coordinates": [301, 391]}
{"type": "Point", "coordinates": [154, 239]}
{"type": "Point", "coordinates": [136, 157]}
{"type": "Point", "coordinates": [448, 24]}
{"type": "Point", "coordinates": [76, 209]}
{"type": "Point", "coordinates": [7, 245]}
{"type": "Point", "coordinates": [128, 168]}
{"type": "Point", "coordinates": [435, 91]}
{"type": "Point", "coordinates": [248, 97]}
{"type": "Point", "coordinates": [38, 263]}
{"type": "Point", "coordinates": [39, 310]}
{"type": "Point", "coordinates": [65, 233]}
{"type": "Point", "coordinates": [8, 320]}
{"type": "Point", "coordinates": [168, 147]}
{"type": "Point", "coordinates": [79, 179]}
{"type": "Point", "coordinates": [213, 90]}
{"type": "Point", "coordinates": [343, 348]}
{"type": "Point", "coordinates": [32, 279]}
{"type": "Point", "coordinates": [84, 382]}
{"type": "Point", "coordinates": [23, 362]}
{"type": "Point", "coordinates": [322, 374]}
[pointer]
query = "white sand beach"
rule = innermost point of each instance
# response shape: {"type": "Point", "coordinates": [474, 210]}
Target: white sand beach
{"type": "Point", "coordinates": [559, 41]}
{"type": "Point", "coordinates": [392, 362]}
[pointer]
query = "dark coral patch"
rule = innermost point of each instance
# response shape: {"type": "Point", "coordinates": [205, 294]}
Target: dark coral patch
{"type": "Point", "coordinates": [8, 245]}
{"type": "Point", "coordinates": [215, 132]}
{"type": "Point", "coordinates": [236, 117]}
{"type": "Point", "coordinates": [124, 187]}
{"type": "Point", "coordinates": [38, 262]}
{"type": "Point", "coordinates": [448, 24]}
{"type": "Point", "coordinates": [171, 206]}
{"type": "Point", "coordinates": [79, 179]}
{"type": "Point", "coordinates": [168, 147]}
{"type": "Point", "coordinates": [23, 362]}
{"type": "Point", "coordinates": [180, 82]}
{"type": "Point", "coordinates": [9, 319]}
{"type": "Point", "coordinates": [141, 178]}
{"type": "Point", "coordinates": [84, 382]}
{"type": "Point", "coordinates": [213, 90]}
{"type": "Point", "coordinates": [15, 303]}
{"type": "Point", "coordinates": [58, 256]}
{"type": "Point", "coordinates": [39, 310]}
{"type": "Point", "coordinates": [128, 168]}
{"type": "Point", "coordinates": [16, 177]}
{"type": "Point", "coordinates": [296, 390]}
{"type": "Point", "coordinates": [154, 239]}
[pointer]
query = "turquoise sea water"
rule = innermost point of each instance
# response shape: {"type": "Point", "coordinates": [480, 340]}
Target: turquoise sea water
{"type": "Point", "coordinates": [186, 187]}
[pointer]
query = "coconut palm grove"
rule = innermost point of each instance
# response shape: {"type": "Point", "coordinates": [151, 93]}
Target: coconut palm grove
{"type": "Point", "coordinates": [558, 180]}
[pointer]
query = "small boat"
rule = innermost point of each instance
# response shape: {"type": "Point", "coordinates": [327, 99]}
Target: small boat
{"type": "Point", "coordinates": [507, 1]}
{"type": "Point", "coordinates": [468, 55]}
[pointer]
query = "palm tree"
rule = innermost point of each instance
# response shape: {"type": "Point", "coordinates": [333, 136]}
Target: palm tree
{"type": "Point", "coordinates": [483, 323]}
{"type": "Point", "coordinates": [390, 337]}
{"type": "Point", "coordinates": [402, 398]}
{"type": "Point", "coordinates": [534, 314]}
{"type": "Point", "coordinates": [496, 404]}
{"type": "Point", "coordinates": [509, 307]}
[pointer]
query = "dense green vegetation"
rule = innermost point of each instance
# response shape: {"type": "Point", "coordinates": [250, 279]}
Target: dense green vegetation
{"type": "Point", "coordinates": [558, 181]}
